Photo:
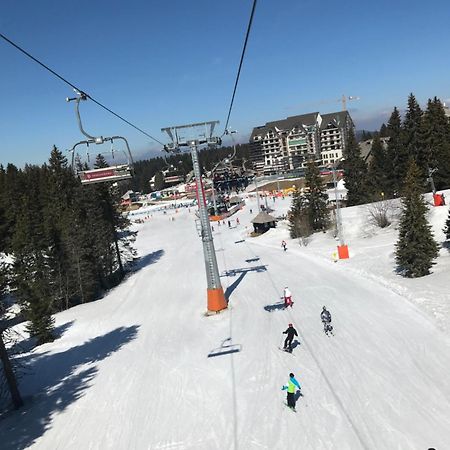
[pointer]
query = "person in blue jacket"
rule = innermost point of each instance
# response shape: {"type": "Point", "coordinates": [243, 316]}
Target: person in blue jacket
{"type": "Point", "coordinates": [290, 387]}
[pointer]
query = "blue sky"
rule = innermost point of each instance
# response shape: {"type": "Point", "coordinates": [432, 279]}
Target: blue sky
{"type": "Point", "coordinates": [163, 62]}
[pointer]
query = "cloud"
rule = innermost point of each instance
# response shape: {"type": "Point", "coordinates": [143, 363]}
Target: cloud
{"type": "Point", "coordinates": [370, 120]}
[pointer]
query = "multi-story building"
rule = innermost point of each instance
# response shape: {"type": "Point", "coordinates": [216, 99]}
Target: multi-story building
{"type": "Point", "coordinates": [288, 144]}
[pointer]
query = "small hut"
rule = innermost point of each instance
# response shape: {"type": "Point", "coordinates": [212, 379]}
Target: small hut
{"type": "Point", "coordinates": [235, 200]}
{"type": "Point", "coordinates": [262, 222]}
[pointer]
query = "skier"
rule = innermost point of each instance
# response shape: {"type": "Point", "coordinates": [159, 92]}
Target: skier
{"type": "Point", "coordinates": [325, 316]}
{"type": "Point", "coordinates": [229, 224]}
{"type": "Point", "coordinates": [287, 294]}
{"type": "Point", "coordinates": [290, 387]}
{"type": "Point", "coordinates": [237, 221]}
{"type": "Point", "coordinates": [291, 332]}
{"type": "Point", "coordinates": [284, 245]}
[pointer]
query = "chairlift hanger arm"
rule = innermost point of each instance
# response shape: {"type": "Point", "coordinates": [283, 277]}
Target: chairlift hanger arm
{"type": "Point", "coordinates": [83, 96]}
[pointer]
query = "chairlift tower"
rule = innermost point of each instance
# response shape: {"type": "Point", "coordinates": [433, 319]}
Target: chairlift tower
{"type": "Point", "coordinates": [216, 301]}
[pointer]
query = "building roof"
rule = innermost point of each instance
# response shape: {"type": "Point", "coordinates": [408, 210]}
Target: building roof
{"type": "Point", "coordinates": [366, 147]}
{"type": "Point", "coordinates": [338, 116]}
{"type": "Point", "coordinates": [285, 124]}
{"type": "Point", "coordinates": [263, 217]}
{"type": "Point", "coordinates": [235, 199]}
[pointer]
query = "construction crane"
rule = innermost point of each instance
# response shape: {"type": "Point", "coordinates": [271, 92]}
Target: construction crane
{"type": "Point", "coordinates": [344, 101]}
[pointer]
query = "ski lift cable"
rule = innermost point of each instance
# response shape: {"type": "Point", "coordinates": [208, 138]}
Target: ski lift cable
{"type": "Point", "coordinates": [240, 64]}
{"type": "Point", "coordinates": [78, 89]}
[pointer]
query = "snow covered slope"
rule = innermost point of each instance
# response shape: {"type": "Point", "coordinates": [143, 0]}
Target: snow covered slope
{"type": "Point", "coordinates": [131, 371]}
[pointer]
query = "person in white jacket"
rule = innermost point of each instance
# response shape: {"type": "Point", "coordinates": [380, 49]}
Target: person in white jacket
{"type": "Point", "coordinates": [287, 297]}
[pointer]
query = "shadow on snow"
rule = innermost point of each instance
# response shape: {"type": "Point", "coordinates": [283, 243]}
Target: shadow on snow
{"type": "Point", "coordinates": [61, 379]}
{"type": "Point", "coordinates": [242, 272]}
{"type": "Point", "coordinates": [144, 261]}
{"type": "Point", "coordinates": [275, 306]}
{"type": "Point", "coordinates": [28, 344]}
{"type": "Point", "coordinates": [226, 348]}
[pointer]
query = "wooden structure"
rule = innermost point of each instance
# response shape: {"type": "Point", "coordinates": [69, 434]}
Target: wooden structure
{"type": "Point", "coordinates": [263, 222]}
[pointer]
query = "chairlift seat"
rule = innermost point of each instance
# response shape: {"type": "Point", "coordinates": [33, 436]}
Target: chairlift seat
{"type": "Point", "coordinates": [112, 173]}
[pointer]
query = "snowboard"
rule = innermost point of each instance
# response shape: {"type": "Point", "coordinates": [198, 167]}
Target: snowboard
{"type": "Point", "coordinates": [286, 350]}
{"type": "Point", "coordinates": [288, 407]}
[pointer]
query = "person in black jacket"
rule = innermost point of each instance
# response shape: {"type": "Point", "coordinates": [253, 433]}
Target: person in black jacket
{"type": "Point", "coordinates": [291, 332]}
{"type": "Point", "coordinates": [325, 316]}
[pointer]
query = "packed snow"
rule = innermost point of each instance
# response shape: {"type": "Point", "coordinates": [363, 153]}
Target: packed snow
{"type": "Point", "coordinates": [144, 368]}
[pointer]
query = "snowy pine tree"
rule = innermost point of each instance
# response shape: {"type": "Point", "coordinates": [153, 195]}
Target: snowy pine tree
{"type": "Point", "coordinates": [379, 184]}
{"type": "Point", "coordinates": [396, 154]}
{"type": "Point", "coordinates": [355, 173]}
{"type": "Point", "coordinates": [299, 219]}
{"type": "Point", "coordinates": [416, 248]}
{"type": "Point", "coordinates": [447, 227]}
{"type": "Point", "coordinates": [436, 138]}
{"type": "Point", "coordinates": [316, 198]}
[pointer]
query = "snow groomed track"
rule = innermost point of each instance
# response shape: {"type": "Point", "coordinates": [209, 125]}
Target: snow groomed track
{"type": "Point", "coordinates": [131, 371]}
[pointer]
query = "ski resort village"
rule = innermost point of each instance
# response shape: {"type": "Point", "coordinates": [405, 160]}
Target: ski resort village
{"type": "Point", "coordinates": [205, 245]}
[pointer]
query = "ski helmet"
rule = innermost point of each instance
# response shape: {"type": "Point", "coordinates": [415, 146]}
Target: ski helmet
{"type": "Point", "coordinates": [290, 325]}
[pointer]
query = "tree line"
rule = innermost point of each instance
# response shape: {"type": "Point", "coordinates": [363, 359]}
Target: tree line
{"type": "Point", "coordinates": [422, 136]}
{"type": "Point", "coordinates": [65, 240]}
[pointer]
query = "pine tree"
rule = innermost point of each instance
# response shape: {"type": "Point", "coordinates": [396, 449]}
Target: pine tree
{"type": "Point", "coordinates": [299, 218]}
{"type": "Point", "coordinates": [355, 173]}
{"type": "Point", "coordinates": [159, 181]}
{"type": "Point", "coordinates": [32, 277]}
{"type": "Point", "coordinates": [436, 138]}
{"type": "Point", "coordinates": [380, 186]}
{"type": "Point", "coordinates": [58, 199]}
{"type": "Point", "coordinates": [447, 227]}
{"type": "Point", "coordinates": [397, 157]}
{"type": "Point", "coordinates": [416, 248]}
{"type": "Point", "coordinates": [384, 130]}
{"type": "Point", "coordinates": [316, 198]}
{"type": "Point", "coordinates": [413, 138]}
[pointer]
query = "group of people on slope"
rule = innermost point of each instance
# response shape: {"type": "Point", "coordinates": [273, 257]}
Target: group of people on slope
{"type": "Point", "coordinates": [291, 332]}
{"type": "Point", "coordinates": [325, 315]}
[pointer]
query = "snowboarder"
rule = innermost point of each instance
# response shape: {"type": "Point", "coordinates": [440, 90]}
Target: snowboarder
{"type": "Point", "coordinates": [284, 245]}
{"type": "Point", "coordinates": [325, 316]}
{"type": "Point", "coordinates": [287, 294]}
{"type": "Point", "coordinates": [290, 387]}
{"type": "Point", "coordinates": [291, 332]}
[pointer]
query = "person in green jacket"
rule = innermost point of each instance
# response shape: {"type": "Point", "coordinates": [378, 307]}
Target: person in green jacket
{"type": "Point", "coordinates": [290, 387]}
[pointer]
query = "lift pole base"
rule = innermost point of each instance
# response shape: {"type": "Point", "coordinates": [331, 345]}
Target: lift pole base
{"type": "Point", "coordinates": [343, 251]}
{"type": "Point", "coordinates": [216, 301]}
